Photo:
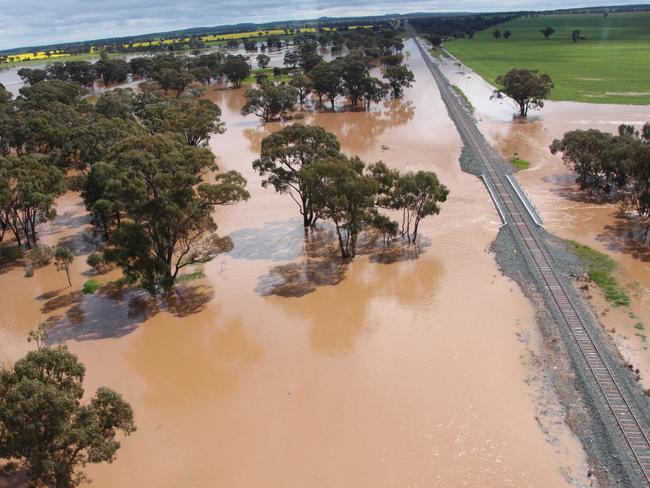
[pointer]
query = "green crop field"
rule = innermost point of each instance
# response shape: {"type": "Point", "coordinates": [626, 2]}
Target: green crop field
{"type": "Point", "coordinates": [611, 66]}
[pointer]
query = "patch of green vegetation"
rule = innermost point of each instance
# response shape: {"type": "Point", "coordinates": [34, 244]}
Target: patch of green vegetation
{"type": "Point", "coordinates": [609, 66]}
{"type": "Point", "coordinates": [436, 52]}
{"type": "Point", "coordinates": [462, 95]}
{"type": "Point", "coordinates": [600, 268]}
{"type": "Point", "coordinates": [252, 78]}
{"type": "Point", "coordinates": [639, 326]}
{"type": "Point", "coordinates": [519, 163]}
{"type": "Point", "coordinates": [9, 253]}
{"type": "Point", "coordinates": [195, 275]}
{"type": "Point", "coordinates": [90, 287]}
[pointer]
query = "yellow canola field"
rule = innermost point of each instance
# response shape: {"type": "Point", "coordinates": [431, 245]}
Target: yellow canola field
{"type": "Point", "coordinates": [218, 37]}
{"type": "Point", "coordinates": [35, 55]}
{"type": "Point", "coordinates": [240, 35]}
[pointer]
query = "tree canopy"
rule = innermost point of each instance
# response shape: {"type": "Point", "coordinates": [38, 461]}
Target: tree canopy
{"type": "Point", "coordinates": [285, 152]}
{"type": "Point", "coordinates": [343, 194]}
{"type": "Point", "coordinates": [614, 165]}
{"type": "Point", "coordinates": [47, 428]}
{"type": "Point", "coordinates": [158, 209]}
{"type": "Point", "coordinates": [270, 101]}
{"type": "Point", "coordinates": [528, 88]}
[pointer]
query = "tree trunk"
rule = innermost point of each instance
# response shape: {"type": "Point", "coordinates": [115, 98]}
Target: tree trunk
{"type": "Point", "coordinates": [342, 244]}
{"type": "Point", "coordinates": [523, 108]}
{"type": "Point", "coordinates": [67, 274]}
{"type": "Point", "coordinates": [415, 229]}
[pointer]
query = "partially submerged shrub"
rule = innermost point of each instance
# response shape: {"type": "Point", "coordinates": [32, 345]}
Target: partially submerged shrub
{"type": "Point", "coordinates": [98, 262]}
{"type": "Point", "coordinates": [41, 255]}
{"type": "Point", "coordinates": [90, 287]}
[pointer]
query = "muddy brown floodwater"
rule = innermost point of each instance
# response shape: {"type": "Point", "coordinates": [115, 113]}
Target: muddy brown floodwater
{"type": "Point", "coordinates": [404, 368]}
{"type": "Point", "coordinates": [554, 193]}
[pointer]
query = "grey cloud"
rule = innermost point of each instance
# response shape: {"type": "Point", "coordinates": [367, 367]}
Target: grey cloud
{"type": "Point", "coordinates": [37, 22]}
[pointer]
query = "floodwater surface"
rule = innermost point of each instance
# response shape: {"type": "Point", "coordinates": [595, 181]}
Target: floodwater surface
{"type": "Point", "coordinates": [565, 211]}
{"type": "Point", "coordinates": [407, 367]}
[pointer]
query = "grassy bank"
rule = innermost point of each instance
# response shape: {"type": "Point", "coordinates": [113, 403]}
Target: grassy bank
{"type": "Point", "coordinates": [601, 268]}
{"type": "Point", "coordinates": [519, 163]}
{"type": "Point", "coordinates": [611, 66]}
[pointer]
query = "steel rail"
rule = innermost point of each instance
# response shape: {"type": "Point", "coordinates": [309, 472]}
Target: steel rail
{"type": "Point", "coordinates": [614, 397]}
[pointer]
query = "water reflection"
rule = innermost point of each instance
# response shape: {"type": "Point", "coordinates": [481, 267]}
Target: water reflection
{"type": "Point", "coordinates": [113, 312]}
{"type": "Point", "coordinates": [219, 353]}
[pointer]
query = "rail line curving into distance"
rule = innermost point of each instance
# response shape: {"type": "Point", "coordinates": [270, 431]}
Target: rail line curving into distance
{"type": "Point", "coordinates": [613, 395]}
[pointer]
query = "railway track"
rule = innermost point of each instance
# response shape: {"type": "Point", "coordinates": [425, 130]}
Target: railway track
{"type": "Point", "coordinates": [614, 396]}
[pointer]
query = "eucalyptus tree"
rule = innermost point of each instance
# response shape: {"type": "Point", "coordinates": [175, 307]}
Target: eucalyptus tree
{"type": "Point", "coordinates": [32, 186]}
{"type": "Point", "coordinates": [326, 78]}
{"type": "Point", "coordinates": [285, 153]}
{"type": "Point", "coordinates": [236, 69]}
{"type": "Point", "coordinates": [418, 195]}
{"type": "Point", "coordinates": [399, 77]}
{"type": "Point", "coordinates": [46, 427]}
{"type": "Point", "coordinates": [270, 101]}
{"type": "Point", "coordinates": [342, 193]}
{"type": "Point", "coordinates": [168, 207]}
{"type": "Point", "coordinates": [528, 88]}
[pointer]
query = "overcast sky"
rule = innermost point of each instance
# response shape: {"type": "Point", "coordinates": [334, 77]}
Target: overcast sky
{"type": "Point", "coordinates": [37, 22]}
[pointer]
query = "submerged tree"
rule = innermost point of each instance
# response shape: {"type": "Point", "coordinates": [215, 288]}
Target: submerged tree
{"type": "Point", "coordinates": [270, 101]}
{"type": "Point", "coordinates": [586, 153]}
{"type": "Point", "coordinates": [283, 155]}
{"type": "Point", "coordinates": [303, 84]}
{"type": "Point", "coordinates": [168, 222]}
{"type": "Point", "coordinates": [31, 186]}
{"type": "Point", "coordinates": [528, 88]}
{"type": "Point", "coordinates": [46, 429]}
{"type": "Point", "coordinates": [63, 258]}
{"type": "Point", "coordinates": [326, 79]}
{"type": "Point", "coordinates": [236, 69]}
{"type": "Point", "coordinates": [418, 196]}
{"type": "Point", "coordinates": [343, 194]}
{"type": "Point", "coordinates": [399, 77]}
{"type": "Point", "coordinates": [263, 60]}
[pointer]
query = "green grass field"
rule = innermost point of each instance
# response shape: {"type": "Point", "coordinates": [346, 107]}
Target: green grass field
{"type": "Point", "coordinates": [611, 66]}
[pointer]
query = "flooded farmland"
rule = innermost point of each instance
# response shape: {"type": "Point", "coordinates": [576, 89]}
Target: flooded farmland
{"type": "Point", "coordinates": [283, 367]}
{"type": "Point", "coordinates": [552, 189]}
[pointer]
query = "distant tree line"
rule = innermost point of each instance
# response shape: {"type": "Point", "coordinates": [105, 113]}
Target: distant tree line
{"type": "Point", "coordinates": [195, 39]}
{"type": "Point", "coordinates": [438, 29]}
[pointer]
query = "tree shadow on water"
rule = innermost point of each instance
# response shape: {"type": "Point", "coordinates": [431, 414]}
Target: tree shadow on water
{"type": "Point", "coordinates": [55, 301]}
{"type": "Point", "coordinates": [629, 236]}
{"type": "Point", "coordinates": [398, 250]}
{"type": "Point", "coordinates": [319, 265]}
{"type": "Point", "coordinates": [275, 241]}
{"type": "Point", "coordinates": [187, 300]}
{"type": "Point", "coordinates": [322, 265]}
{"type": "Point", "coordinates": [301, 278]}
{"type": "Point", "coordinates": [114, 312]}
